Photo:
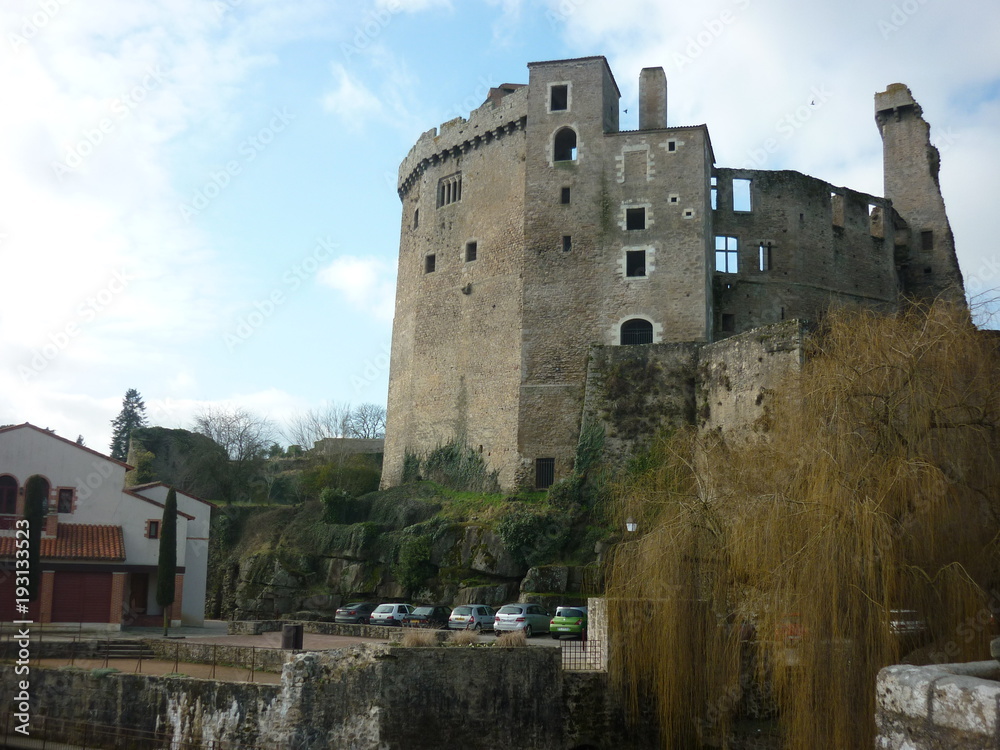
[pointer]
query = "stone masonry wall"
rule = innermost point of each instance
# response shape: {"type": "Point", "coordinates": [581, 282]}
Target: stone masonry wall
{"type": "Point", "coordinates": [938, 707]}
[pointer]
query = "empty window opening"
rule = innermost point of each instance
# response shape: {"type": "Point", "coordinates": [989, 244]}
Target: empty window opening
{"type": "Point", "coordinates": [559, 98]}
{"type": "Point", "coordinates": [671, 145]}
{"type": "Point", "coordinates": [545, 473]}
{"type": "Point", "coordinates": [782, 313]}
{"type": "Point", "coordinates": [764, 257]}
{"type": "Point", "coordinates": [728, 323]}
{"type": "Point", "coordinates": [688, 213]}
{"type": "Point", "coordinates": [430, 263]}
{"type": "Point", "coordinates": [565, 145]}
{"type": "Point", "coordinates": [726, 254]}
{"type": "Point", "coordinates": [675, 198]}
{"type": "Point", "coordinates": [927, 240]}
{"type": "Point", "coordinates": [741, 194]}
{"type": "Point", "coordinates": [564, 195]}
{"type": "Point", "coordinates": [416, 218]}
{"type": "Point", "coordinates": [567, 243]}
{"type": "Point", "coordinates": [715, 193]}
{"type": "Point", "coordinates": [65, 500]}
{"type": "Point", "coordinates": [635, 218]}
{"type": "Point", "coordinates": [471, 249]}
{"type": "Point", "coordinates": [635, 263]}
{"type": "Point", "coordinates": [8, 495]}
{"type": "Point", "coordinates": [450, 189]}
{"type": "Point", "coordinates": [636, 331]}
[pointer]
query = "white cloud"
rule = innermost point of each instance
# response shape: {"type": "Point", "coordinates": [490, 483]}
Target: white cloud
{"type": "Point", "coordinates": [411, 6]}
{"type": "Point", "coordinates": [350, 100]}
{"type": "Point", "coordinates": [368, 284]}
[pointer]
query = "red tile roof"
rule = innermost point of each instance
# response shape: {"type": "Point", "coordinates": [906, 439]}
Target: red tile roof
{"type": "Point", "coordinates": [77, 541]}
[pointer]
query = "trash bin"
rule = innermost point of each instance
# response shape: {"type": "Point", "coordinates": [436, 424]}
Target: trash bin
{"type": "Point", "coordinates": [291, 637]}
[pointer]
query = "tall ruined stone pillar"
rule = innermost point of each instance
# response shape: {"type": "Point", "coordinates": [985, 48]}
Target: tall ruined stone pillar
{"type": "Point", "coordinates": [928, 266]}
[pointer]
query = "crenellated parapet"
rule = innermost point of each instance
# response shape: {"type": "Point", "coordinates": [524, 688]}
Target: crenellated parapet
{"type": "Point", "coordinates": [493, 120]}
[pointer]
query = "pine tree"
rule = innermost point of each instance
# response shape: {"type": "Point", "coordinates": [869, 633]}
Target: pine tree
{"type": "Point", "coordinates": [166, 567]}
{"type": "Point", "coordinates": [131, 417]}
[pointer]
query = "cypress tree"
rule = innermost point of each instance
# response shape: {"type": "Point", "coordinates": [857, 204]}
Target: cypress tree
{"type": "Point", "coordinates": [35, 508]}
{"type": "Point", "coordinates": [166, 567]}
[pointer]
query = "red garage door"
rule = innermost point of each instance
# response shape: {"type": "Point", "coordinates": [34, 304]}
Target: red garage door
{"type": "Point", "coordinates": [7, 596]}
{"type": "Point", "coordinates": [81, 597]}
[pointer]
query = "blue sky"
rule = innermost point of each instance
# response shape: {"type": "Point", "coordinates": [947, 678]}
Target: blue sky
{"type": "Point", "coordinates": [198, 196]}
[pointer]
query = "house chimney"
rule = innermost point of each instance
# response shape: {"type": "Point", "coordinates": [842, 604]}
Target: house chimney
{"type": "Point", "coordinates": [652, 99]}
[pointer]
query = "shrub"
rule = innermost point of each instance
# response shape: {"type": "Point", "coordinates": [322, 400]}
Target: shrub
{"type": "Point", "coordinates": [417, 637]}
{"type": "Point", "coordinates": [533, 537]}
{"type": "Point", "coordinates": [457, 466]}
{"type": "Point", "coordinates": [413, 566]}
{"type": "Point", "coordinates": [513, 639]}
{"type": "Point", "coordinates": [464, 637]}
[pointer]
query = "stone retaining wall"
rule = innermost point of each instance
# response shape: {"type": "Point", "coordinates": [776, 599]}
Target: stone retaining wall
{"type": "Point", "coordinates": [939, 707]}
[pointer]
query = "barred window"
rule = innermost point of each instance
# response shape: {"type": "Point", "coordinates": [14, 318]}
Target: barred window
{"type": "Point", "coordinates": [637, 331]}
{"type": "Point", "coordinates": [545, 472]}
{"type": "Point", "coordinates": [449, 189]}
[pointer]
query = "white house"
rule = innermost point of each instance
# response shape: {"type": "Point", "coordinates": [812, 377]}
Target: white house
{"type": "Point", "coordinates": [100, 543]}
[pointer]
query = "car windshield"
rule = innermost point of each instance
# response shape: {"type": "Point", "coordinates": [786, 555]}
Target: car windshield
{"type": "Point", "coordinates": [510, 610]}
{"type": "Point", "coordinates": [462, 611]}
{"type": "Point", "coordinates": [423, 611]}
{"type": "Point", "coordinates": [353, 606]}
{"type": "Point", "coordinates": [384, 608]}
{"type": "Point", "coordinates": [569, 613]}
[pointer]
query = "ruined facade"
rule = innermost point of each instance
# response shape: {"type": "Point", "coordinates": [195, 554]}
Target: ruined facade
{"type": "Point", "coordinates": [536, 229]}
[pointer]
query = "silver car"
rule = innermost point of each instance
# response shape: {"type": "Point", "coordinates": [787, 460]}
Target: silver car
{"type": "Point", "coordinates": [389, 614]}
{"type": "Point", "coordinates": [530, 618]}
{"type": "Point", "coordinates": [471, 617]}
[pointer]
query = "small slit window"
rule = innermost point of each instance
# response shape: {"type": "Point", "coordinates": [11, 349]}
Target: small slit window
{"type": "Point", "coordinates": [471, 251]}
{"type": "Point", "coordinates": [636, 331]}
{"type": "Point", "coordinates": [564, 196]}
{"type": "Point", "coordinates": [764, 257]}
{"type": "Point", "coordinates": [635, 263]}
{"type": "Point", "coordinates": [430, 263]}
{"type": "Point", "coordinates": [567, 243]}
{"type": "Point", "coordinates": [416, 218]}
{"type": "Point", "coordinates": [564, 148]}
{"type": "Point", "coordinates": [559, 98]}
{"type": "Point", "coordinates": [635, 218]}
{"type": "Point", "coordinates": [545, 473]}
{"type": "Point", "coordinates": [715, 193]}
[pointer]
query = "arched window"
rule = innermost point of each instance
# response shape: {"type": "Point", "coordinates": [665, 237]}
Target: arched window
{"type": "Point", "coordinates": [637, 331]}
{"type": "Point", "coordinates": [565, 145]}
{"type": "Point", "coordinates": [8, 495]}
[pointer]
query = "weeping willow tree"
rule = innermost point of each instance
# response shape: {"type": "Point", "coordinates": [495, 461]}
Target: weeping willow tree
{"type": "Point", "coordinates": [858, 526]}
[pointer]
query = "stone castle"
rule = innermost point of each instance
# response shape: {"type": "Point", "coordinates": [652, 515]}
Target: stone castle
{"type": "Point", "coordinates": [536, 230]}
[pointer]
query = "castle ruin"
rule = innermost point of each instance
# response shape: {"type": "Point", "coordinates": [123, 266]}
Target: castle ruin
{"type": "Point", "coordinates": [536, 230]}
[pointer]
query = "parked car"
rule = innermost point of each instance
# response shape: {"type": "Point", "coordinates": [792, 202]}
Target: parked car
{"type": "Point", "coordinates": [435, 616]}
{"type": "Point", "coordinates": [571, 621]}
{"type": "Point", "coordinates": [389, 614]}
{"type": "Point", "coordinates": [357, 613]}
{"type": "Point", "coordinates": [472, 617]}
{"type": "Point", "coordinates": [530, 618]}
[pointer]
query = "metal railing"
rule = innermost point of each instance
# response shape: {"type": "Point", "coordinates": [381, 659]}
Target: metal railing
{"type": "Point", "coordinates": [583, 656]}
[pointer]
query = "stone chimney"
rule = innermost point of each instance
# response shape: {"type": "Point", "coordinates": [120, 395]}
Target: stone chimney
{"type": "Point", "coordinates": [652, 99]}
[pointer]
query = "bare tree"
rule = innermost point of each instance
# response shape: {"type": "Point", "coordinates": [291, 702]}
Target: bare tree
{"type": "Point", "coordinates": [368, 421]}
{"type": "Point", "coordinates": [330, 420]}
{"type": "Point", "coordinates": [245, 438]}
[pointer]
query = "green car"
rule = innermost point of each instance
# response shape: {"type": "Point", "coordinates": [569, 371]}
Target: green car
{"type": "Point", "coordinates": [571, 621]}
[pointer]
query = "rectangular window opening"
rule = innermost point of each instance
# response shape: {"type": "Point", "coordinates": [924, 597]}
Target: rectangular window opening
{"type": "Point", "coordinates": [764, 257]}
{"type": "Point", "coordinates": [430, 263]}
{"type": "Point", "coordinates": [715, 193]}
{"type": "Point", "coordinates": [559, 98]}
{"type": "Point", "coordinates": [449, 189]}
{"type": "Point", "coordinates": [635, 218]}
{"type": "Point", "coordinates": [567, 243]}
{"type": "Point", "coordinates": [545, 473]}
{"type": "Point", "coordinates": [65, 500]}
{"type": "Point", "coordinates": [416, 218]}
{"type": "Point", "coordinates": [564, 196]}
{"type": "Point", "coordinates": [927, 240]}
{"type": "Point", "coordinates": [741, 194]}
{"type": "Point", "coordinates": [671, 145]}
{"type": "Point", "coordinates": [153, 529]}
{"type": "Point", "coordinates": [728, 323]}
{"type": "Point", "coordinates": [726, 254]}
{"type": "Point", "coordinates": [471, 250]}
{"type": "Point", "coordinates": [635, 263]}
